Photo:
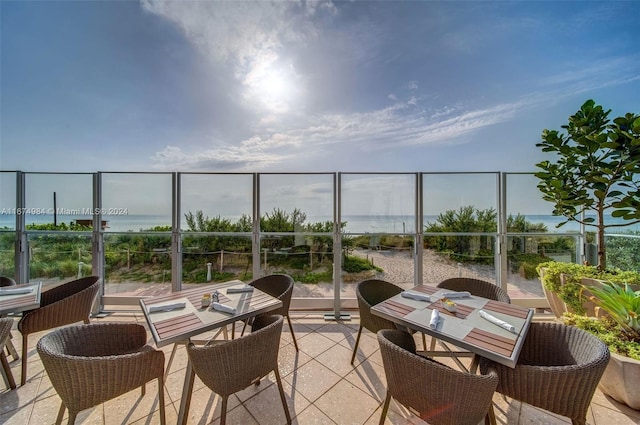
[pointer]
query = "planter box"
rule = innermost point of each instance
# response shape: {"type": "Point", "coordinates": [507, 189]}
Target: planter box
{"type": "Point", "coordinates": [621, 379]}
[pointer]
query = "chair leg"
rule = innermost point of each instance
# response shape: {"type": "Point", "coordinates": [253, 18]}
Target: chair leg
{"type": "Point", "coordinates": [424, 341]}
{"type": "Point", "coordinates": [579, 421]}
{"type": "Point", "coordinates": [385, 408]}
{"type": "Point", "coordinates": [293, 335]}
{"type": "Point", "coordinates": [490, 418]}
{"type": "Point", "coordinates": [223, 410]}
{"type": "Point", "coordinates": [60, 414]}
{"type": "Point", "coordinates": [163, 420]}
{"type": "Point", "coordinates": [244, 327]}
{"type": "Point", "coordinates": [11, 383]}
{"type": "Point", "coordinates": [12, 349]}
{"type": "Point", "coordinates": [282, 397]}
{"type": "Point", "coordinates": [72, 418]}
{"type": "Point", "coordinates": [23, 378]}
{"type": "Point", "coordinates": [355, 347]}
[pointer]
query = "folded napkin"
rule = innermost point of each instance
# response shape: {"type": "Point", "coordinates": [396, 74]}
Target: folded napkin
{"type": "Point", "coordinates": [245, 288]}
{"type": "Point", "coordinates": [462, 294]}
{"type": "Point", "coordinates": [15, 291]}
{"type": "Point", "coordinates": [166, 307]}
{"type": "Point", "coordinates": [497, 321]}
{"type": "Point", "coordinates": [415, 295]}
{"type": "Point", "coordinates": [224, 308]}
{"type": "Point", "coordinates": [435, 318]}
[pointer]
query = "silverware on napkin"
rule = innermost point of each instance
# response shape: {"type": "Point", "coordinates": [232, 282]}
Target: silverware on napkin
{"type": "Point", "coordinates": [166, 307]}
{"type": "Point", "coordinates": [496, 321]}
{"type": "Point", "coordinates": [415, 296]}
{"type": "Point", "coordinates": [435, 318]}
{"type": "Point", "coordinates": [245, 288]}
{"type": "Point", "coordinates": [223, 308]}
{"type": "Point", "coordinates": [463, 294]}
{"type": "Point", "coordinates": [15, 291]}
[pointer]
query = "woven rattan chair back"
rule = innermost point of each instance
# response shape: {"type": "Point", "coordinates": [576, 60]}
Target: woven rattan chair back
{"type": "Point", "coordinates": [6, 281]}
{"type": "Point", "coordinates": [62, 305]}
{"type": "Point", "coordinates": [369, 293]}
{"type": "Point", "coordinates": [558, 370]}
{"type": "Point", "coordinates": [477, 287]}
{"type": "Point", "coordinates": [227, 367]}
{"type": "Point", "coordinates": [442, 396]}
{"type": "Point", "coordinates": [279, 286]}
{"type": "Point", "coordinates": [90, 364]}
{"type": "Point", "coordinates": [5, 332]}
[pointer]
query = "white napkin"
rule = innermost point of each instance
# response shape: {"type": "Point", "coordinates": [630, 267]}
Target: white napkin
{"type": "Point", "coordinates": [435, 318]}
{"type": "Point", "coordinates": [15, 291]}
{"type": "Point", "coordinates": [224, 308]}
{"type": "Point", "coordinates": [462, 294]}
{"type": "Point", "coordinates": [415, 295]}
{"type": "Point", "coordinates": [166, 307]}
{"type": "Point", "coordinates": [497, 321]}
{"type": "Point", "coordinates": [245, 288]}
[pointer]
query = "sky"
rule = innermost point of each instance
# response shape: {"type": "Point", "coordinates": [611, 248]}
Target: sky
{"type": "Point", "coordinates": [288, 86]}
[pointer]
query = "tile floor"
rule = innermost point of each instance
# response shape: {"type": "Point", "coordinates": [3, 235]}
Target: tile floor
{"type": "Point", "coordinates": [320, 385]}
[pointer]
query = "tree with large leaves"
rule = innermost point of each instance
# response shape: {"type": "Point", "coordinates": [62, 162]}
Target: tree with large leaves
{"type": "Point", "coordinates": [596, 170]}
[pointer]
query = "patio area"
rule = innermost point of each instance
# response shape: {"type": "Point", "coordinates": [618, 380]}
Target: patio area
{"type": "Point", "coordinates": [321, 387]}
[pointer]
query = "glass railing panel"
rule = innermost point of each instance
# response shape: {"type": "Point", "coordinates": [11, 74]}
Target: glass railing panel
{"type": "Point", "coordinates": [623, 249]}
{"type": "Point", "coordinates": [211, 258]}
{"type": "Point", "coordinates": [296, 225]}
{"type": "Point", "coordinates": [298, 203]}
{"type": "Point", "coordinates": [378, 203]}
{"type": "Point", "coordinates": [7, 254]}
{"type": "Point", "coordinates": [448, 255]}
{"type": "Point", "coordinates": [527, 212]}
{"type": "Point", "coordinates": [389, 257]}
{"type": "Point", "coordinates": [62, 202]}
{"type": "Point", "coordinates": [8, 200]}
{"type": "Point", "coordinates": [305, 257]}
{"type": "Point", "coordinates": [59, 257]}
{"type": "Point", "coordinates": [460, 202]}
{"type": "Point", "coordinates": [525, 251]}
{"type": "Point", "coordinates": [136, 202]}
{"type": "Point", "coordinates": [216, 202]}
{"type": "Point", "coordinates": [137, 263]}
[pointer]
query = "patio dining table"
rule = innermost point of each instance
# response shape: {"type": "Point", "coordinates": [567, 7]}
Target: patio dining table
{"type": "Point", "coordinates": [464, 328]}
{"type": "Point", "coordinates": [17, 298]}
{"type": "Point", "coordinates": [179, 316]}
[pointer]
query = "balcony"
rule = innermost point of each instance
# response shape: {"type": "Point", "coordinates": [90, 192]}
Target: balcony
{"type": "Point", "coordinates": [321, 387]}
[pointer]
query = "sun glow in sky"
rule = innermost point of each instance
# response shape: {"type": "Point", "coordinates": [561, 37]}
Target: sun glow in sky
{"type": "Point", "coordinates": [304, 86]}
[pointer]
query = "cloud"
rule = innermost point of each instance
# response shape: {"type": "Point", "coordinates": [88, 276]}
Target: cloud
{"type": "Point", "coordinates": [386, 129]}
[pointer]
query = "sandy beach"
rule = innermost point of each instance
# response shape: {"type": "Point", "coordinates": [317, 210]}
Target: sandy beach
{"type": "Point", "coordinates": [398, 268]}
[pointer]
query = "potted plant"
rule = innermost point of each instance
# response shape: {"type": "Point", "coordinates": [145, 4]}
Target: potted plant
{"type": "Point", "coordinates": [596, 170]}
{"type": "Point", "coordinates": [564, 285]}
{"type": "Point", "coordinates": [619, 328]}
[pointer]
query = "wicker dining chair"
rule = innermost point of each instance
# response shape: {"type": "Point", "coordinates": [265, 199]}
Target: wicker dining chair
{"type": "Point", "coordinates": [227, 367]}
{"type": "Point", "coordinates": [440, 394]}
{"type": "Point", "coordinates": [90, 364]}
{"type": "Point", "coordinates": [11, 349]}
{"type": "Point", "coordinates": [62, 305]}
{"type": "Point", "coordinates": [369, 293]}
{"type": "Point", "coordinates": [477, 287]}
{"type": "Point", "coordinates": [558, 370]}
{"type": "Point", "coordinates": [5, 332]}
{"type": "Point", "coordinates": [279, 286]}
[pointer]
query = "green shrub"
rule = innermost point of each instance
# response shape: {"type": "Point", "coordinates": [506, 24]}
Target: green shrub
{"type": "Point", "coordinates": [608, 331]}
{"type": "Point", "coordinates": [352, 264]}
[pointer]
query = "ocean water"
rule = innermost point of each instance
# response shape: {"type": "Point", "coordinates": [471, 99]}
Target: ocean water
{"type": "Point", "coordinates": [354, 223]}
